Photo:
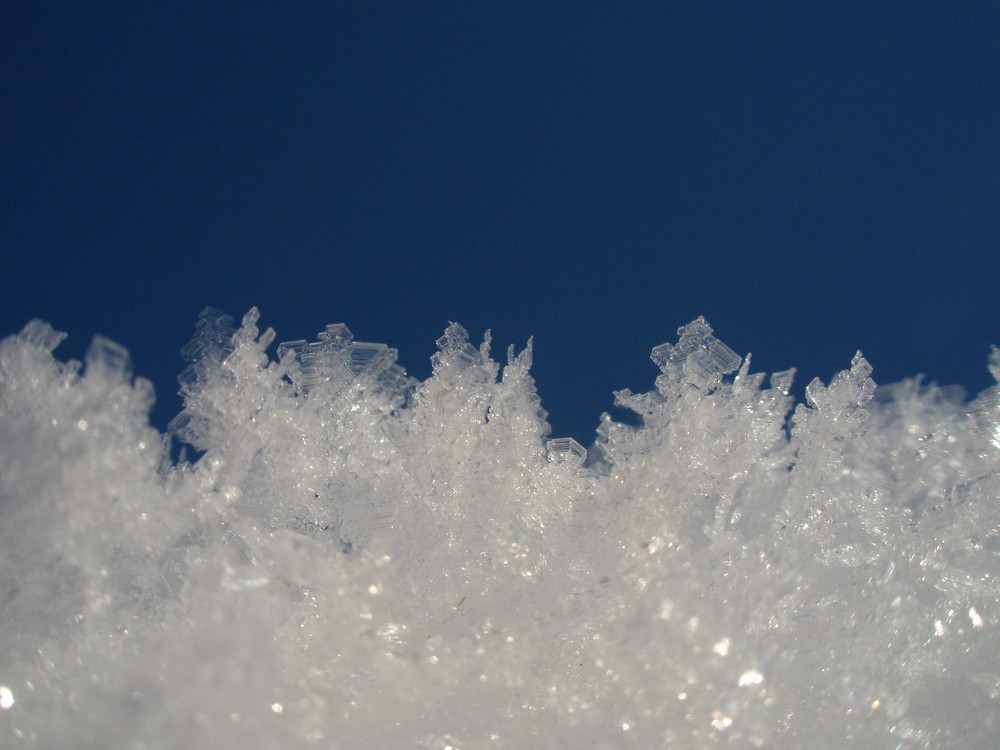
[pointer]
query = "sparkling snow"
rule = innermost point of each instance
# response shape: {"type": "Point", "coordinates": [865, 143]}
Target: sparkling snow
{"type": "Point", "coordinates": [356, 559]}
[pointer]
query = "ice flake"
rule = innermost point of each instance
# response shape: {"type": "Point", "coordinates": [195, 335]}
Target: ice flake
{"type": "Point", "coordinates": [566, 450]}
{"type": "Point", "coordinates": [455, 343]}
{"type": "Point", "coordinates": [699, 355]}
{"type": "Point", "coordinates": [336, 359]}
{"type": "Point", "coordinates": [994, 366]}
{"type": "Point", "coordinates": [107, 361]}
{"type": "Point", "coordinates": [40, 334]}
{"type": "Point", "coordinates": [782, 381]}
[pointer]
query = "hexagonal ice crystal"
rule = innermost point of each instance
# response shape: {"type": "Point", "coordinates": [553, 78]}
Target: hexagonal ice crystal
{"type": "Point", "coordinates": [566, 450]}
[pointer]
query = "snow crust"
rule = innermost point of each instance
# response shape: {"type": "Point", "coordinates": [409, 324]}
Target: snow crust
{"type": "Point", "coordinates": [357, 560]}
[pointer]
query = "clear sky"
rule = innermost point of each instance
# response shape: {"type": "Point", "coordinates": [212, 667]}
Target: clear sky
{"type": "Point", "coordinates": [814, 178]}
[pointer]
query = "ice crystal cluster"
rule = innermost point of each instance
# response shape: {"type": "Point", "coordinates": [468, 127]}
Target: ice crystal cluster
{"type": "Point", "coordinates": [354, 559]}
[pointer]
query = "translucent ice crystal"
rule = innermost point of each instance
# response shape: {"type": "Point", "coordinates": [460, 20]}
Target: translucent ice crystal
{"type": "Point", "coordinates": [698, 357]}
{"type": "Point", "coordinates": [566, 450]}
{"type": "Point", "coordinates": [358, 559]}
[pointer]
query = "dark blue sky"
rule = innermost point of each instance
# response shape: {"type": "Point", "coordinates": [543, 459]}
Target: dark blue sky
{"type": "Point", "coordinates": [812, 177]}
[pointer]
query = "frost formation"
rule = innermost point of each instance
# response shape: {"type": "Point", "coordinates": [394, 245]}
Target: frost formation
{"type": "Point", "coordinates": [359, 560]}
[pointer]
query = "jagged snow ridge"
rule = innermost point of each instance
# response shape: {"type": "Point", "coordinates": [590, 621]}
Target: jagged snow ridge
{"type": "Point", "coordinates": [361, 560]}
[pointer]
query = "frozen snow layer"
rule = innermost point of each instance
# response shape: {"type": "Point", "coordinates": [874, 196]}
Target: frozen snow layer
{"type": "Point", "coordinates": [358, 559]}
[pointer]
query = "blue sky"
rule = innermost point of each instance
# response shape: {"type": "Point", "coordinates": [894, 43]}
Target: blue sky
{"type": "Point", "coordinates": [813, 178]}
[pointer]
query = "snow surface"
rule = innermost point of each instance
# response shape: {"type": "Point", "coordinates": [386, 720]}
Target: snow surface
{"type": "Point", "coordinates": [360, 560]}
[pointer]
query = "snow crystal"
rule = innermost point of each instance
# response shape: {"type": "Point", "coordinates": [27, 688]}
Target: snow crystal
{"type": "Point", "coordinates": [359, 559]}
{"type": "Point", "coordinates": [566, 449]}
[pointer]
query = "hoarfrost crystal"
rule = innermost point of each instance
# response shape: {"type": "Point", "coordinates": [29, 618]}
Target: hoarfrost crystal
{"type": "Point", "coordinates": [359, 559]}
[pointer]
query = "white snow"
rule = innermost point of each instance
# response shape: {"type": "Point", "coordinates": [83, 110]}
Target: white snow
{"type": "Point", "coordinates": [361, 560]}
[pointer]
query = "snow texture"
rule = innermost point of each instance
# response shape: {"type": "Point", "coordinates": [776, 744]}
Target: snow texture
{"type": "Point", "coordinates": [356, 559]}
